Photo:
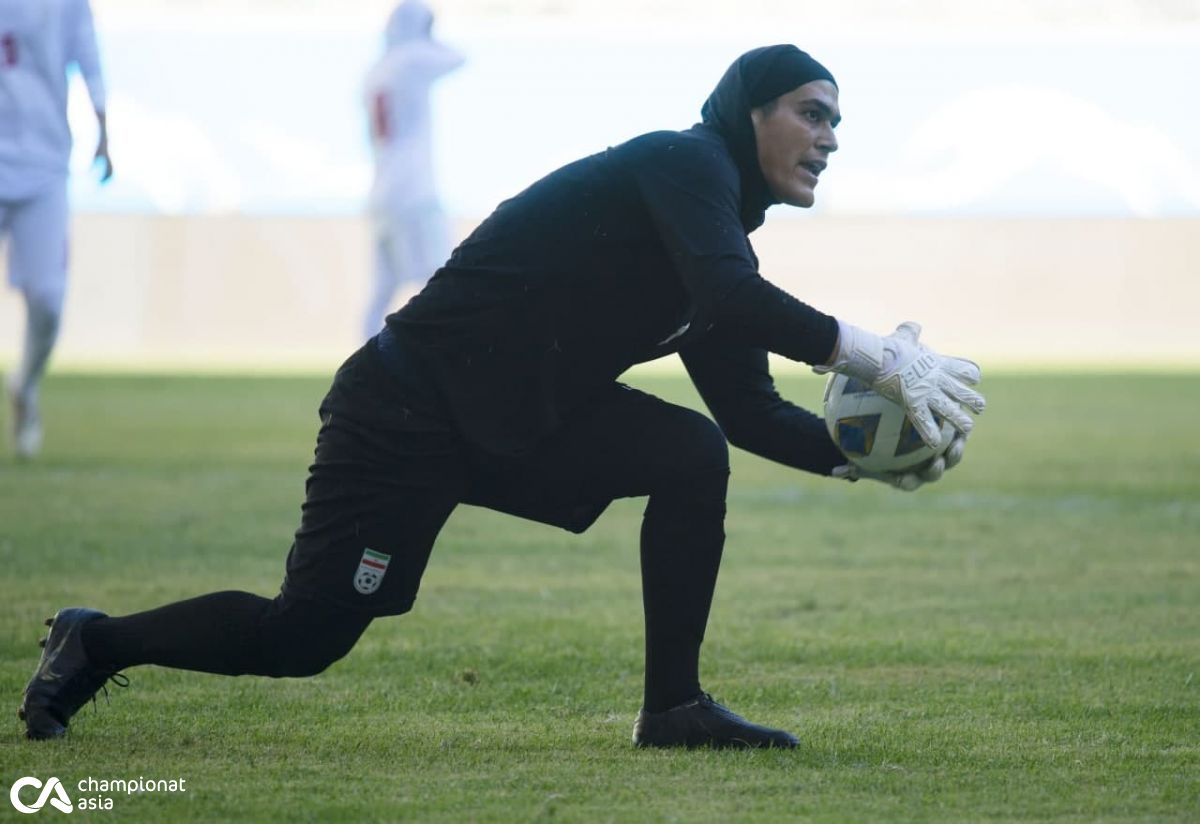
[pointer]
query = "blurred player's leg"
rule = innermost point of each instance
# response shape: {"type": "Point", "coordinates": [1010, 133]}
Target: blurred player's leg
{"type": "Point", "coordinates": [386, 280]}
{"type": "Point", "coordinates": [430, 239]}
{"type": "Point", "coordinates": [7, 210]}
{"type": "Point", "coordinates": [408, 250]}
{"type": "Point", "coordinates": [37, 262]}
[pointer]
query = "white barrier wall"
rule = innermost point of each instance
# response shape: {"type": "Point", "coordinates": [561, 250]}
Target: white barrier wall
{"type": "Point", "coordinates": [267, 292]}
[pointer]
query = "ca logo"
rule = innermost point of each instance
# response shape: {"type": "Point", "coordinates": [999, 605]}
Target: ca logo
{"type": "Point", "coordinates": [62, 802]}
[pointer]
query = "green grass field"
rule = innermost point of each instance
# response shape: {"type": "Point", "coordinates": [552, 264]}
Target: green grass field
{"type": "Point", "coordinates": [1020, 642]}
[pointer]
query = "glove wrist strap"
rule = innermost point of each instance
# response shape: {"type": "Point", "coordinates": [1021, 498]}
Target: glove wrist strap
{"type": "Point", "coordinates": [859, 354]}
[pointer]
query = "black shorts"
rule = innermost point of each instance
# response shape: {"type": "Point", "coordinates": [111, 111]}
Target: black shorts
{"type": "Point", "coordinates": [390, 468]}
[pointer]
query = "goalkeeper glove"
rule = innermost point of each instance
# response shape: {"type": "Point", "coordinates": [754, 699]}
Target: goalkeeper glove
{"type": "Point", "coordinates": [902, 370]}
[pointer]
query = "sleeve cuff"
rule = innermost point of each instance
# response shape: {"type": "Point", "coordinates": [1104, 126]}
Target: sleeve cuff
{"type": "Point", "coordinates": [859, 354]}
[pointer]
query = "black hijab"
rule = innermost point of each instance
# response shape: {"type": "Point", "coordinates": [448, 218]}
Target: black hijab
{"type": "Point", "coordinates": [755, 78]}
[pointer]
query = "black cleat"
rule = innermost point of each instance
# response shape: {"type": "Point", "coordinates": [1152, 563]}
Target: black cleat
{"type": "Point", "coordinates": [702, 722]}
{"type": "Point", "coordinates": [64, 680]}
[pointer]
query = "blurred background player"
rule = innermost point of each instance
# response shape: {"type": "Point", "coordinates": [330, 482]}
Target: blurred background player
{"type": "Point", "coordinates": [39, 41]}
{"type": "Point", "coordinates": [411, 235]}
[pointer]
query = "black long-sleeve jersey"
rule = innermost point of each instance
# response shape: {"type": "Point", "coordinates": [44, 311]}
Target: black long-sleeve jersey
{"type": "Point", "coordinates": [619, 258]}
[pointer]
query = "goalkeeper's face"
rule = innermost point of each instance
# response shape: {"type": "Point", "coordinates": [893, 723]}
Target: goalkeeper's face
{"type": "Point", "coordinates": [794, 133]}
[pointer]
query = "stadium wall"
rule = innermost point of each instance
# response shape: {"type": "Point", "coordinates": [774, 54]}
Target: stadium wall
{"type": "Point", "coordinates": [287, 292]}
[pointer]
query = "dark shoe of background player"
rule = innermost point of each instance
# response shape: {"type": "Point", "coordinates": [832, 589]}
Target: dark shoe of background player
{"type": "Point", "coordinates": [64, 680]}
{"type": "Point", "coordinates": [702, 722]}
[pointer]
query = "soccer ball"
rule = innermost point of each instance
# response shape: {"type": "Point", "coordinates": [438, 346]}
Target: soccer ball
{"type": "Point", "coordinates": [873, 432]}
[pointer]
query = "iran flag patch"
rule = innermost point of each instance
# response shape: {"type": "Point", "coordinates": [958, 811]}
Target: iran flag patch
{"type": "Point", "coordinates": [371, 569]}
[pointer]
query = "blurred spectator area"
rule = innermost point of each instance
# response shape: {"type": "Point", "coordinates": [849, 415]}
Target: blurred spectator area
{"type": "Point", "coordinates": [262, 291]}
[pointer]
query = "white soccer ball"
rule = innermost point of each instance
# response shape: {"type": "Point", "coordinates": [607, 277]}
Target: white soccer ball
{"type": "Point", "coordinates": [873, 432]}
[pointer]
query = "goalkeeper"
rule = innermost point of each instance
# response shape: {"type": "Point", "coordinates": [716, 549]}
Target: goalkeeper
{"type": "Point", "coordinates": [497, 386]}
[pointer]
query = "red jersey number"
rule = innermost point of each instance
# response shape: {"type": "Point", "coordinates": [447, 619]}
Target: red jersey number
{"type": "Point", "coordinates": [8, 49]}
{"type": "Point", "coordinates": [380, 122]}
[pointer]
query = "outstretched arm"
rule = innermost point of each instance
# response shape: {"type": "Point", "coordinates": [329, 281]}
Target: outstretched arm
{"type": "Point", "coordinates": [736, 385]}
{"type": "Point", "coordinates": [691, 193]}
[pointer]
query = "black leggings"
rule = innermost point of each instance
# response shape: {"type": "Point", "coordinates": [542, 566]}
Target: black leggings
{"type": "Point", "coordinates": [628, 444]}
{"type": "Point", "coordinates": [230, 633]}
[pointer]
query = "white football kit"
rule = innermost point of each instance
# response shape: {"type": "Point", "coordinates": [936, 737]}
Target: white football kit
{"type": "Point", "coordinates": [39, 40]}
{"type": "Point", "coordinates": [411, 236]}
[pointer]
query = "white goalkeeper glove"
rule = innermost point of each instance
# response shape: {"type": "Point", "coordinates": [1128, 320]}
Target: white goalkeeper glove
{"type": "Point", "coordinates": [923, 382]}
{"type": "Point", "coordinates": [914, 478]}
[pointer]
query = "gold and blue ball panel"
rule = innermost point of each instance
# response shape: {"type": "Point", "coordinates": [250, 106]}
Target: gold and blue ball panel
{"type": "Point", "coordinates": [856, 435]}
{"type": "Point", "coordinates": [909, 440]}
{"type": "Point", "coordinates": [854, 386]}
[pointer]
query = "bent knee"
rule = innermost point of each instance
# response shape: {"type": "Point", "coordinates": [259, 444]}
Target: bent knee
{"type": "Point", "coordinates": [303, 663]}
{"type": "Point", "coordinates": [301, 637]}
{"type": "Point", "coordinates": [699, 471]}
{"type": "Point", "coordinates": [702, 445]}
